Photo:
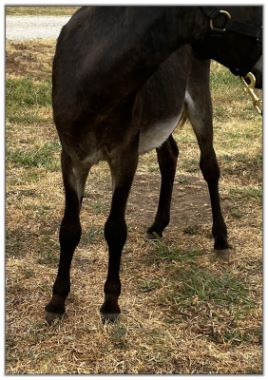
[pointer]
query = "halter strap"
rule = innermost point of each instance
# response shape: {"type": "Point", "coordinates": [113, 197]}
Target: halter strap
{"type": "Point", "coordinates": [233, 25]}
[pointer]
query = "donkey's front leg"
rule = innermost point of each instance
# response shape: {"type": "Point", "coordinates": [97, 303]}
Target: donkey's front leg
{"type": "Point", "coordinates": [122, 169]}
{"type": "Point", "coordinates": [167, 156]}
{"type": "Point", "coordinates": [74, 178]}
{"type": "Point", "coordinates": [199, 109]}
{"type": "Point", "coordinates": [211, 172]}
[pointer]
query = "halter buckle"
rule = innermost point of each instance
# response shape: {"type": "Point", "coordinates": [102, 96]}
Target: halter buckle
{"type": "Point", "coordinates": [228, 17]}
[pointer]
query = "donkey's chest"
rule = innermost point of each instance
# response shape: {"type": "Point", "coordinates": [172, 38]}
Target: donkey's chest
{"type": "Point", "coordinates": [154, 135]}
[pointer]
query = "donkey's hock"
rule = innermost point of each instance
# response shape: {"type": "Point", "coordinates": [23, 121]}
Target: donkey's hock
{"type": "Point", "coordinates": [123, 78]}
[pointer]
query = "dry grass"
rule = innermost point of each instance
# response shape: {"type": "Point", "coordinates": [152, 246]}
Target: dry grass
{"type": "Point", "coordinates": [183, 310]}
{"type": "Point", "coordinates": [40, 11]}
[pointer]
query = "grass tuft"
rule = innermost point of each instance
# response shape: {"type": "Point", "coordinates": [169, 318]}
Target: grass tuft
{"type": "Point", "coordinates": [199, 285]}
{"type": "Point", "coordinates": [42, 158]}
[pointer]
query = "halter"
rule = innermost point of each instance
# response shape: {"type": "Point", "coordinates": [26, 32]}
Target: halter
{"type": "Point", "coordinates": [217, 35]}
{"type": "Point", "coordinates": [233, 26]}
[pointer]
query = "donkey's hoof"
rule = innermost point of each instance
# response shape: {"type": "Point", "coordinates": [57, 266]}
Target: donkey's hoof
{"type": "Point", "coordinates": [153, 235]}
{"type": "Point", "coordinates": [51, 317]}
{"type": "Point", "coordinates": [223, 254]}
{"type": "Point", "coordinates": [53, 312]}
{"type": "Point", "coordinates": [109, 314]}
{"type": "Point", "coordinates": [110, 318]}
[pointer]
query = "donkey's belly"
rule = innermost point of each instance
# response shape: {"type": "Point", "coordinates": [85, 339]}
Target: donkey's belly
{"type": "Point", "coordinates": [156, 134]}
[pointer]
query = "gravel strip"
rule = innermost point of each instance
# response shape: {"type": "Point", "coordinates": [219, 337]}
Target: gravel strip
{"type": "Point", "coordinates": [34, 27]}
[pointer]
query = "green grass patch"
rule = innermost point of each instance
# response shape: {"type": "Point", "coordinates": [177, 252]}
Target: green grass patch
{"type": "Point", "coordinates": [27, 116]}
{"type": "Point", "coordinates": [245, 159]}
{"type": "Point", "coordinates": [229, 97]}
{"type": "Point", "coordinates": [247, 193]}
{"type": "Point", "coordinates": [92, 235]}
{"type": "Point", "coordinates": [200, 285]}
{"type": "Point", "coordinates": [221, 77]}
{"type": "Point", "coordinates": [235, 213]}
{"type": "Point", "coordinates": [23, 92]}
{"type": "Point", "coordinates": [236, 336]}
{"type": "Point", "coordinates": [25, 99]}
{"type": "Point", "coordinates": [47, 250]}
{"type": "Point", "coordinates": [190, 165]}
{"type": "Point", "coordinates": [15, 243]}
{"type": "Point", "coordinates": [192, 230]}
{"type": "Point", "coordinates": [169, 253]}
{"type": "Point", "coordinates": [48, 256]}
{"type": "Point", "coordinates": [98, 207]}
{"type": "Point", "coordinates": [238, 134]}
{"type": "Point", "coordinates": [43, 157]}
{"type": "Point", "coordinates": [32, 176]}
{"type": "Point", "coordinates": [242, 164]}
{"type": "Point", "coordinates": [118, 336]}
{"type": "Point", "coordinates": [148, 285]}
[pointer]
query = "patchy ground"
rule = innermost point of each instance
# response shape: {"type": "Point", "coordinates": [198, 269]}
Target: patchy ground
{"type": "Point", "coordinates": [183, 310]}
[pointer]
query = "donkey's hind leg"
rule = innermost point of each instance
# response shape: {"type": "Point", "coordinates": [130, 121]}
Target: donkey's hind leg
{"type": "Point", "coordinates": [167, 156]}
{"type": "Point", "coordinates": [74, 178]}
{"type": "Point", "coordinates": [123, 168]}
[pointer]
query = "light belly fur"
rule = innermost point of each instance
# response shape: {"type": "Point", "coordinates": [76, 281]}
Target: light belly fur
{"type": "Point", "coordinates": [155, 135]}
